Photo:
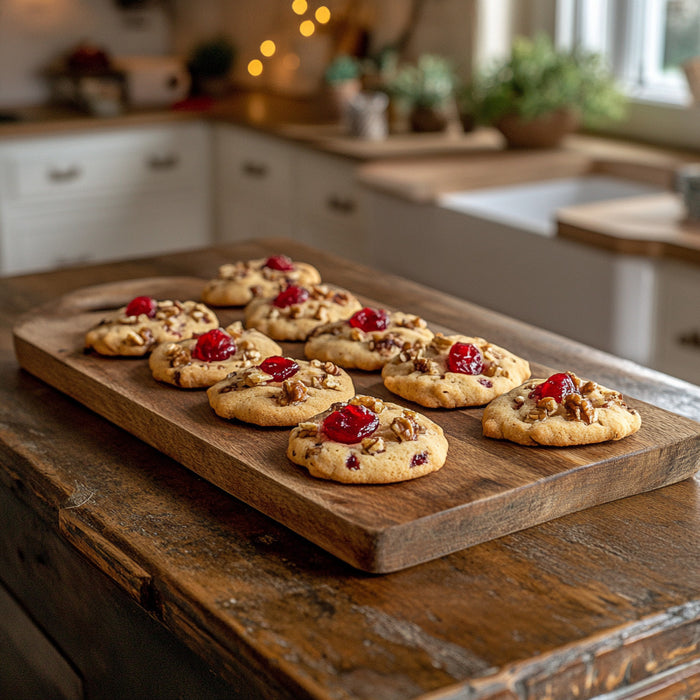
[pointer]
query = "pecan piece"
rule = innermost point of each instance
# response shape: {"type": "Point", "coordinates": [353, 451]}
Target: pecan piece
{"type": "Point", "coordinates": [293, 392]}
{"type": "Point", "coordinates": [374, 404]}
{"type": "Point", "coordinates": [405, 427]}
{"type": "Point", "coordinates": [373, 445]}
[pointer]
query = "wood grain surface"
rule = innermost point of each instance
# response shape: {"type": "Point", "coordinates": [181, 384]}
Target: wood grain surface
{"type": "Point", "coordinates": [487, 488]}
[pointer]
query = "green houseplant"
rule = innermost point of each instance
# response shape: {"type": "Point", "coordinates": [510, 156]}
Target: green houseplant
{"type": "Point", "coordinates": [539, 94]}
{"type": "Point", "coordinates": [427, 90]}
{"type": "Point", "coordinates": [210, 65]}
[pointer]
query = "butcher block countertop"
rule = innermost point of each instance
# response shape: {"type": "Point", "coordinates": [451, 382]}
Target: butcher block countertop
{"type": "Point", "coordinates": [155, 583]}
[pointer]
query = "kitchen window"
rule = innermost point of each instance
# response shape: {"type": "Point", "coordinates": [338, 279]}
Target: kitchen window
{"type": "Point", "coordinates": [646, 43]}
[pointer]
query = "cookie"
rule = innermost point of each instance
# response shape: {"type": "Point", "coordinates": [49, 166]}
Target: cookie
{"type": "Point", "coordinates": [135, 329]}
{"type": "Point", "coordinates": [560, 411]}
{"type": "Point", "coordinates": [295, 312]}
{"type": "Point", "coordinates": [197, 363]}
{"type": "Point", "coordinates": [368, 441]}
{"type": "Point", "coordinates": [368, 339]}
{"type": "Point", "coordinates": [454, 371]}
{"type": "Point", "coordinates": [280, 391]}
{"type": "Point", "coordinates": [238, 283]}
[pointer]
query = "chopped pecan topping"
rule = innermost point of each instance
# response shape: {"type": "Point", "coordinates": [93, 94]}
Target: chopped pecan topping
{"type": "Point", "coordinates": [440, 343]}
{"type": "Point", "coordinates": [293, 392]}
{"type": "Point", "coordinates": [405, 427]}
{"type": "Point", "coordinates": [356, 334]}
{"type": "Point", "coordinates": [374, 404]}
{"type": "Point", "coordinates": [373, 445]}
{"type": "Point", "coordinates": [307, 429]}
{"type": "Point", "coordinates": [423, 364]}
{"type": "Point", "coordinates": [177, 355]}
{"type": "Point", "coordinates": [518, 401]}
{"type": "Point", "coordinates": [385, 345]}
{"type": "Point", "coordinates": [548, 403]}
{"type": "Point", "coordinates": [578, 408]}
{"type": "Point", "coordinates": [255, 377]}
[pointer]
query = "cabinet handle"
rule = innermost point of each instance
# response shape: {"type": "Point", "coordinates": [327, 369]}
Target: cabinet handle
{"type": "Point", "coordinates": [690, 339]}
{"type": "Point", "coordinates": [165, 162]}
{"type": "Point", "coordinates": [254, 169]}
{"type": "Point", "coordinates": [341, 205]}
{"type": "Point", "coordinates": [65, 174]}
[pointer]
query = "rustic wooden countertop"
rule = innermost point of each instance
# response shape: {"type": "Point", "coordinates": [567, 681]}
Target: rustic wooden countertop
{"type": "Point", "coordinates": [604, 600]}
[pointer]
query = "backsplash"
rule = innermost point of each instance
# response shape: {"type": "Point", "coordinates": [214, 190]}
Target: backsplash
{"type": "Point", "coordinates": [35, 32]}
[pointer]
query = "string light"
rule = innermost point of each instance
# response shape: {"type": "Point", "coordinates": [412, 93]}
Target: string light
{"type": "Point", "coordinates": [299, 6]}
{"type": "Point", "coordinates": [322, 14]}
{"type": "Point", "coordinates": [255, 67]}
{"type": "Point", "coordinates": [307, 27]}
{"type": "Point", "coordinates": [268, 48]}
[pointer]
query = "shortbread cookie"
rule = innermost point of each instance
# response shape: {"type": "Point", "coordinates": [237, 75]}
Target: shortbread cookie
{"type": "Point", "coordinates": [295, 312]}
{"type": "Point", "coordinates": [197, 363]}
{"type": "Point", "coordinates": [280, 391]}
{"type": "Point", "coordinates": [368, 339]}
{"type": "Point", "coordinates": [560, 411]}
{"type": "Point", "coordinates": [368, 441]}
{"type": "Point", "coordinates": [454, 371]}
{"type": "Point", "coordinates": [237, 283]}
{"type": "Point", "coordinates": [136, 329]}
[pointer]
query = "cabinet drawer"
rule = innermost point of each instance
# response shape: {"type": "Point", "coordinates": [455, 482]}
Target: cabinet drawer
{"type": "Point", "coordinates": [119, 162]}
{"type": "Point", "coordinates": [253, 165]}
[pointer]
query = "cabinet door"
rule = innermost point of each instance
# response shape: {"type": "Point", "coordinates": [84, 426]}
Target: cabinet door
{"type": "Point", "coordinates": [678, 320]}
{"type": "Point", "coordinates": [254, 183]}
{"type": "Point", "coordinates": [331, 206]}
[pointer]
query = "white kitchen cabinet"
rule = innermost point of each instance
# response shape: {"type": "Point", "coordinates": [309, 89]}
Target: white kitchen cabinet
{"type": "Point", "coordinates": [254, 175]}
{"type": "Point", "coordinates": [331, 206]}
{"type": "Point", "coordinates": [104, 195]}
{"type": "Point", "coordinates": [677, 336]}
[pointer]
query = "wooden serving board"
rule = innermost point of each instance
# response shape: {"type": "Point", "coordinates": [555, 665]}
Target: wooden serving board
{"type": "Point", "coordinates": [486, 489]}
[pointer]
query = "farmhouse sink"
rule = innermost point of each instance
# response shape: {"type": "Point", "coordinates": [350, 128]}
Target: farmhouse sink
{"type": "Point", "coordinates": [532, 206]}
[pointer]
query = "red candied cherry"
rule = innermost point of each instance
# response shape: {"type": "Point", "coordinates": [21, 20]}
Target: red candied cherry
{"type": "Point", "coordinates": [279, 262]}
{"type": "Point", "coordinates": [291, 295]}
{"type": "Point", "coordinates": [369, 320]}
{"type": "Point", "coordinates": [214, 346]}
{"type": "Point", "coordinates": [465, 358]}
{"type": "Point", "coordinates": [279, 368]}
{"type": "Point", "coordinates": [142, 305]}
{"type": "Point", "coordinates": [558, 386]}
{"type": "Point", "coordinates": [350, 424]}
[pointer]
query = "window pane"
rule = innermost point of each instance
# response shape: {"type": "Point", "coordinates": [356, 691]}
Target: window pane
{"type": "Point", "coordinates": [682, 36]}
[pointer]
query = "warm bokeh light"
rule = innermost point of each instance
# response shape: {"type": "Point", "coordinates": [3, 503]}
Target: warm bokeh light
{"type": "Point", "coordinates": [300, 6]}
{"type": "Point", "coordinates": [307, 27]}
{"type": "Point", "coordinates": [291, 61]}
{"type": "Point", "coordinates": [323, 14]}
{"type": "Point", "coordinates": [255, 67]}
{"type": "Point", "coordinates": [268, 48]}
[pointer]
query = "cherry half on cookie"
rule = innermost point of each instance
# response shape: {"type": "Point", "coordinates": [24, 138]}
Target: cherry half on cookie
{"type": "Point", "coordinates": [369, 320]}
{"type": "Point", "coordinates": [142, 305]}
{"type": "Point", "coordinates": [350, 424]}
{"type": "Point", "coordinates": [279, 262]}
{"type": "Point", "coordinates": [214, 346]}
{"type": "Point", "coordinates": [558, 386]}
{"type": "Point", "coordinates": [465, 358]}
{"type": "Point", "coordinates": [289, 296]}
{"type": "Point", "coordinates": [279, 368]}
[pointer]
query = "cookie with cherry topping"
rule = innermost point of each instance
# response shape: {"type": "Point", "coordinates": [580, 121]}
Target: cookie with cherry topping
{"type": "Point", "coordinates": [238, 283]}
{"type": "Point", "coordinates": [199, 362]}
{"type": "Point", "coordinates": [280, 391]}
{"type": "Point", "coordinates": [296, 311]}
{"type": "Point", "coordinates": [561, 410]}
{"type": "Point", "coordinates": [135, 329]}
{"type": "Point", "coordinates": [453, 372]}
{"type": "Point", "coordinates": [368, 441]}
{"type": "Point", "coordinates": [368, 339]}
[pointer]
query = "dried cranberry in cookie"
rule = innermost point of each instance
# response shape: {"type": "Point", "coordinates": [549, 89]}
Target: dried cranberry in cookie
{"type": "Point", "coordinates": [465, 358]}
{"type": "Point", "coordinates": [281, 263]}
{"type": "Point", "coordinates": [142, 305]}
{"type": "Point", "coordinates": [279, 368]}
{"type": "Point", "coordinates": [290, 296]}
{"type": "Point", "coordinates": [214, 346]}
{"type": "Point", "coordinates": [369, 320]}
{"type": "Point", "coordinates": [350, 424]}
{"type": "Point", "coordinates": [558, 386]}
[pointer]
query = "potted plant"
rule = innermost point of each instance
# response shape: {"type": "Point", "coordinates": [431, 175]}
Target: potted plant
{"type": "Point", "coordinates": [539, 94]}
{"type": "Point", "coordinates": [210, 65]}
{"type": "Point", "coordinates": [427, 90]}
{"type": "Point", "coordinates": [343, 77]}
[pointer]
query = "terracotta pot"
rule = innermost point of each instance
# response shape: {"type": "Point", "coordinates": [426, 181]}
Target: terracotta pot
{"type": "Point", "coordinates": [545, 131]}
{"type": "Point", "coordinates": [426, 119]}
